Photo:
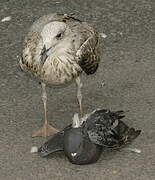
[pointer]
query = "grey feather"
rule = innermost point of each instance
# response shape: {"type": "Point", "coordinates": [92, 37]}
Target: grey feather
{"type": "Point", "coordinates": [105, 128]}
{"type": "Point", "coordinates": [54, 144]}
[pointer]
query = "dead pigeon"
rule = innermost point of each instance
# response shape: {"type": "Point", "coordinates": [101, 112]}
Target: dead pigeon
{"type": "Point", "coordinates": [83, 141]}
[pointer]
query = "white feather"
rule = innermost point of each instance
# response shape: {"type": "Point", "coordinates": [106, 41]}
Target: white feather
{"type": "Point", "coordinates": [8, 18]}
{"type": "Point", "coordinates": [76, 121]}
{"type": "Point", "coordinates": [34, 149]}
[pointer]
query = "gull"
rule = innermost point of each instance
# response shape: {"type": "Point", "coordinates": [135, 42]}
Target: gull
{"type": "Point", "coordinates": [56, 50]}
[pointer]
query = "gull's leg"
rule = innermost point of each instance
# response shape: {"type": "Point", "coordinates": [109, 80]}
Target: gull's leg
{"type": "Point", "coordinates": [79, 94]}
{"type": "Point", "coordinates": [47, 129]}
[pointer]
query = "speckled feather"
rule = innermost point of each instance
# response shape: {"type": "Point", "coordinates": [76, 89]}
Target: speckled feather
{"type": "Point", "coordinates": [105, 128]}
{"type": "Point", "coordinates": [81, 55]}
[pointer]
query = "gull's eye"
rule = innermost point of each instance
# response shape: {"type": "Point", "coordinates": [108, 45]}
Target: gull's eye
{"type": "Point", "coordinates": [58, 35]}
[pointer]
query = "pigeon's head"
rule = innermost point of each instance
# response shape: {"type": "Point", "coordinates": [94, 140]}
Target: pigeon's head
{"type": "Point", "coordinates": [54, 33]}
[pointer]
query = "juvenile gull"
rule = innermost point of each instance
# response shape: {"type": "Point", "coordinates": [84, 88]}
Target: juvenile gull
{"type": "Point", "coordinates": [57, 49]}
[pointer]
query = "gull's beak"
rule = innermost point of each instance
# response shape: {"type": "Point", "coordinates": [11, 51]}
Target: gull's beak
{"type": "Point", "coordinates": [44, 54]}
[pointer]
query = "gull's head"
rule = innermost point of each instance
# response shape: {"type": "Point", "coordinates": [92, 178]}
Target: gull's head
{"type": "Point", "coordinates": [54, 33]}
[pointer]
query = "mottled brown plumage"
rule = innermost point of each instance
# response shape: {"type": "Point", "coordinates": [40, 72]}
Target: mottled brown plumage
{"type": "Point", "coordinates": [58, 48]}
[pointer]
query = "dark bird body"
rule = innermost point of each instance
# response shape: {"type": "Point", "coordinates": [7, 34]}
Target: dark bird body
{"type": "Point", "coordinates": [83, 143]}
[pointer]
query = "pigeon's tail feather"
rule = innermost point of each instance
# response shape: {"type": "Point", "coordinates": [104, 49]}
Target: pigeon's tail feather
{"type": "Point", "coordinates": [130, 135]}
{"type": "Point", "coordinates": [54, 144]}
{"type": "Point", "coordinates": [124, 134]}
{"type": "Point", "coordinates": [119, 114]}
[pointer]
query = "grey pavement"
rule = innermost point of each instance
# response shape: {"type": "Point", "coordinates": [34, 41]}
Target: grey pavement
{"type": "Point", "coordinates": [125, 81]}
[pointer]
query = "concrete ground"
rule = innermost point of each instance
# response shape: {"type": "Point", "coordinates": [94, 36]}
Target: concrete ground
{"type": "Point", "coordinates": [125, 80]}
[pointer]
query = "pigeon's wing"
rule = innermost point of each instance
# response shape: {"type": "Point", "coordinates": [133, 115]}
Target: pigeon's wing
{"type": "Point", "coordinates": [101, 127]}
{"type": "Point", "coordinates": [54, 144]}
{"type": "Point", "coordinates": [106, 129]}
{"type": "Point", "coordinates": [88, 53]}
{"type": "Point", "coordinates": [104, 117]}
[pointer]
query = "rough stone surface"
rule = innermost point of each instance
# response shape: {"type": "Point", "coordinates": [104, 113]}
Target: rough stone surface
{"type": "Point", "coordinates": [125, 80]}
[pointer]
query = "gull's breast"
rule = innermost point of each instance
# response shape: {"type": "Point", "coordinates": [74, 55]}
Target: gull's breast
{"type": "Point", "coordinates": [58, 70]}
{"type": "Point", "coordinates": [59, 67]}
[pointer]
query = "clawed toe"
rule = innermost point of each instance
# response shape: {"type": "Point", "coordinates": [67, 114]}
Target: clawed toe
{"type": "Point", "coordinates": [45, 131]}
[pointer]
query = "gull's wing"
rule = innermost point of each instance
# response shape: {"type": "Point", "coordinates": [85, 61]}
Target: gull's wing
{"type": "Point", "coordinates": [88, 54]}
